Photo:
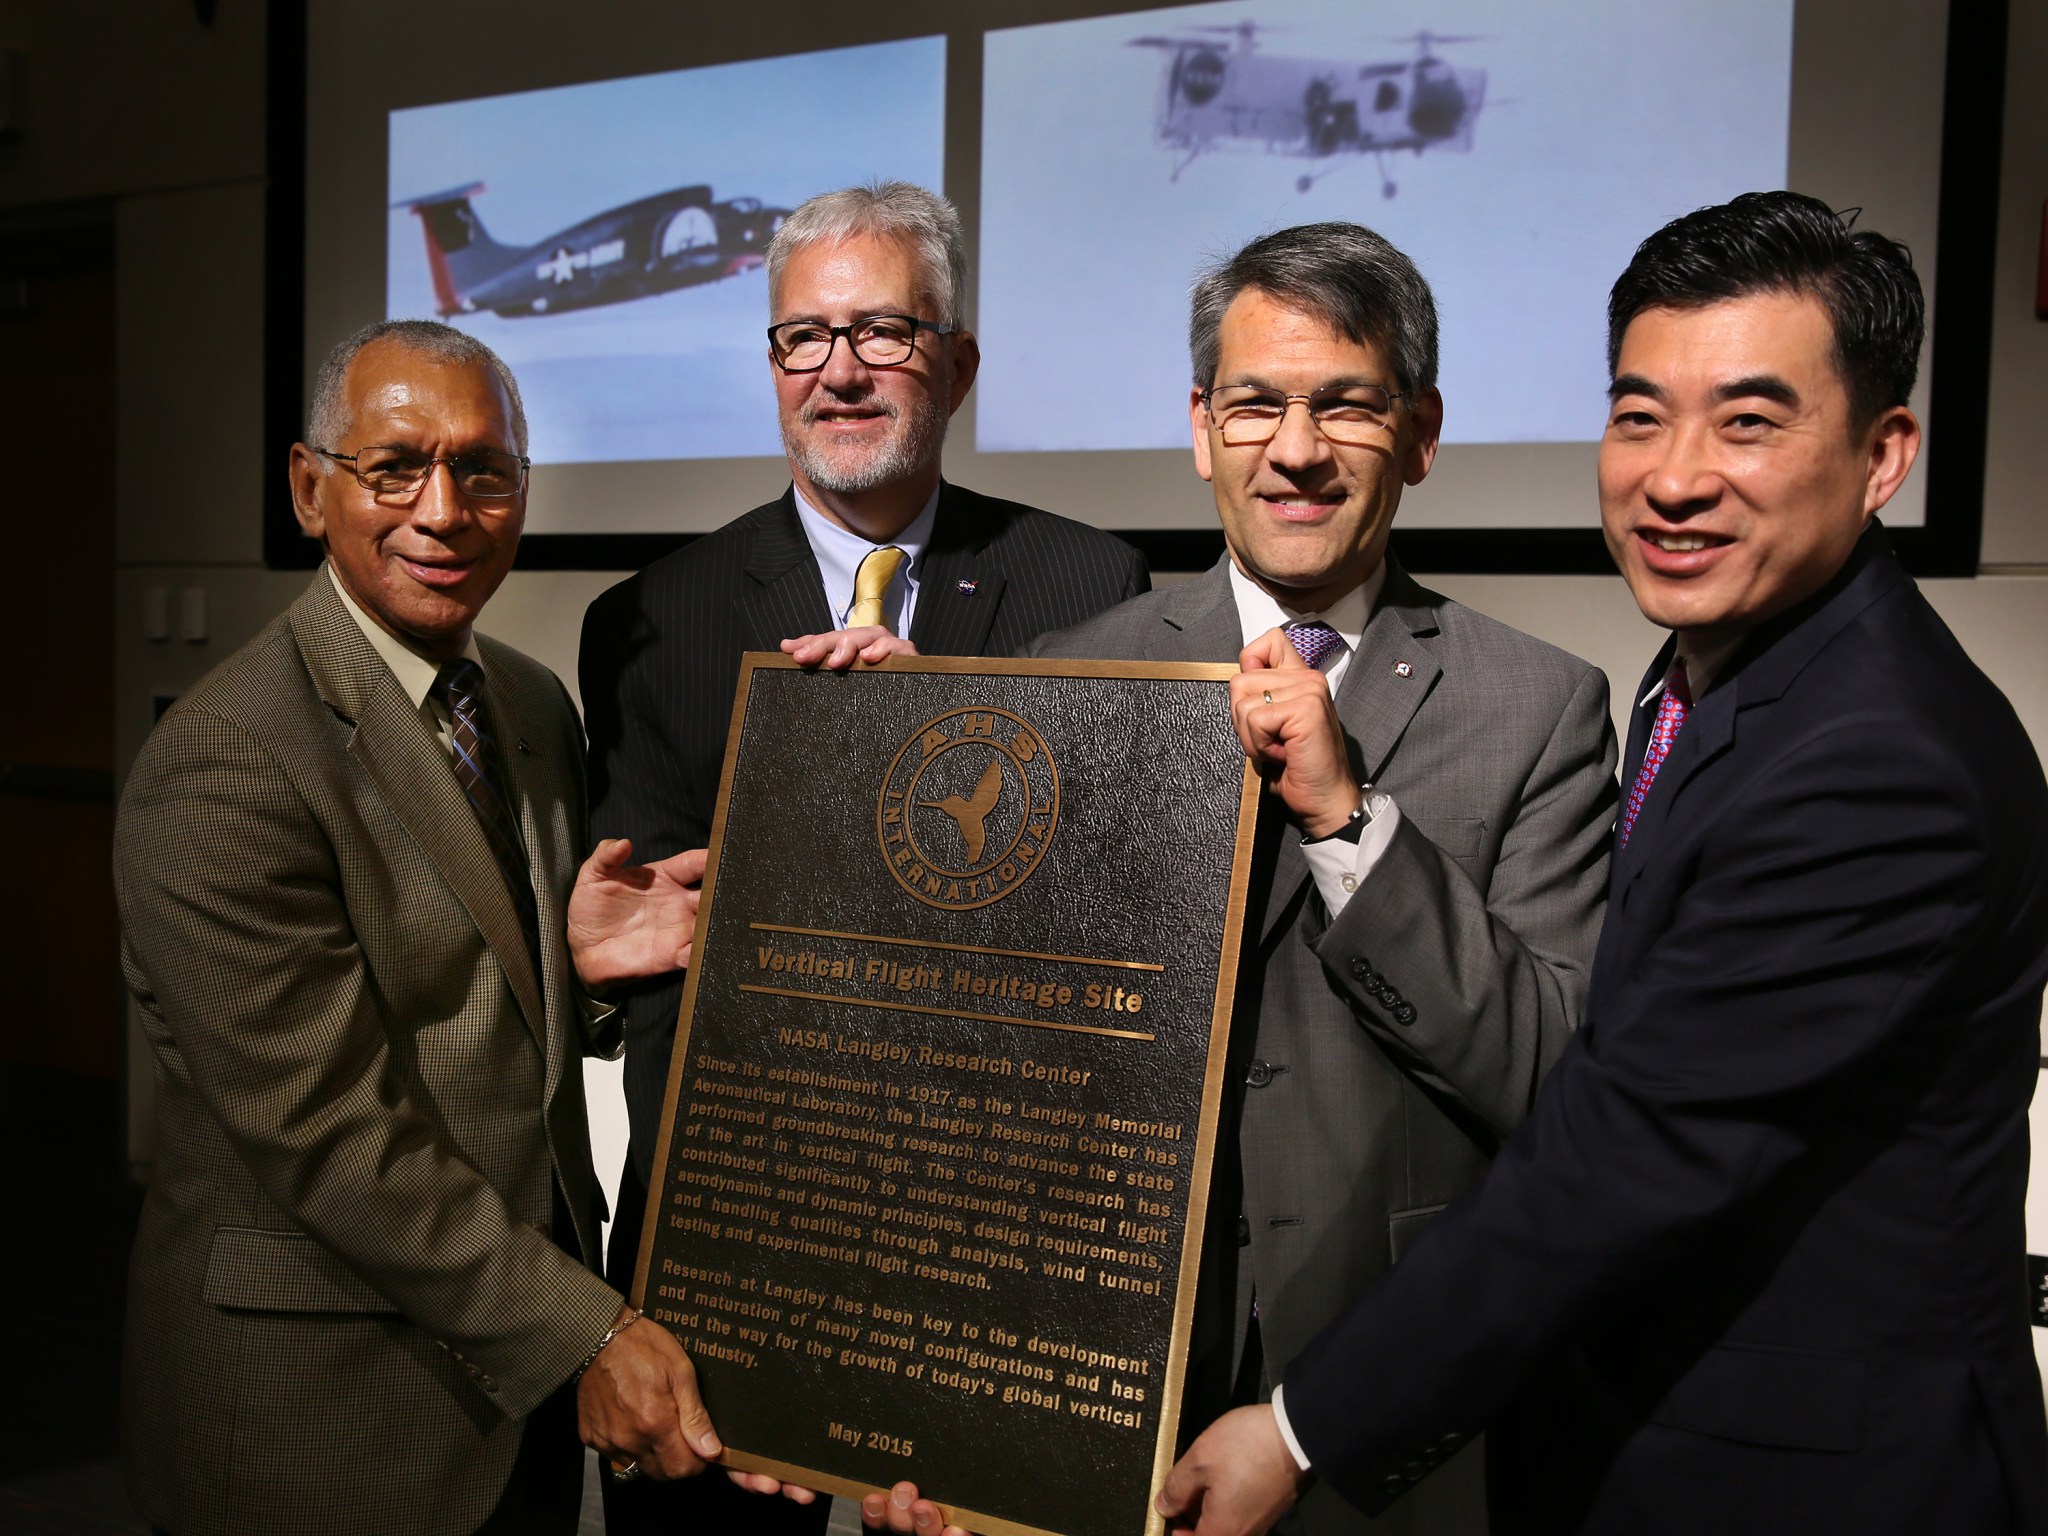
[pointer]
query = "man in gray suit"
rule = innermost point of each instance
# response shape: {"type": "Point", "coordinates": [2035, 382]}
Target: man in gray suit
{"type": "Point", "coordinates": [1425, 920]}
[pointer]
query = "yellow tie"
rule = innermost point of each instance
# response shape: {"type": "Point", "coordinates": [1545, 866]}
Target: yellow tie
{"type": "Point", "coordinates": [869, 583]}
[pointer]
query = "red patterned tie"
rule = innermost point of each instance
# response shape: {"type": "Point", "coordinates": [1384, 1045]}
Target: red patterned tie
{"type": "Point", "coordinates": [1671, 712]}
{"type": "Point", "coordinates": [1313, 640]}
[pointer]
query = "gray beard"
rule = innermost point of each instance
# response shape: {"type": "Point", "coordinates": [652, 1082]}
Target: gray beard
{"type": "Point", "coordinates": [913, 447]}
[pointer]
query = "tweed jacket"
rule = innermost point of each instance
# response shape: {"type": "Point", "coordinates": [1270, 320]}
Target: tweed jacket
{"type": "Point", "coordinates": [343, 1298]}
{"type": "Point", "coordinates": [1382, 1057]}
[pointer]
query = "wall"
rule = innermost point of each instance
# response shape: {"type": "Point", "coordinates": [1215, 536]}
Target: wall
{"type": "Point", "coordinates": [169, 126]}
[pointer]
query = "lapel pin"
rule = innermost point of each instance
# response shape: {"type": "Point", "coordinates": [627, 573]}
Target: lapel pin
{"type": "Point", "coordinates": [966, 588]}
{"type": "Point", "coordinates": [1402, 669]}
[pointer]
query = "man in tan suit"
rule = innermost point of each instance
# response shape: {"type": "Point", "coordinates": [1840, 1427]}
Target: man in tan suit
{"type": "Point", "coordinates": [367, 961]}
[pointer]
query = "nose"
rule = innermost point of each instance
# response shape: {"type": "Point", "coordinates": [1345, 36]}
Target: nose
{"type": "Point", "coordinates": [438, 507]}
{"type": "Point", "coordinates": [1299, 443]}
{"type": "Point", "coordinates": [1684, 476]}
{"type": "Point", "coordinates": [844, 372]}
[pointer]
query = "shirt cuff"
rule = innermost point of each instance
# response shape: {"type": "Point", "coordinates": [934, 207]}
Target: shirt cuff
{"type": "Point", "coordinates": [1287, 1432]}
{"type": "Point", "coordinates": [1340, 867]}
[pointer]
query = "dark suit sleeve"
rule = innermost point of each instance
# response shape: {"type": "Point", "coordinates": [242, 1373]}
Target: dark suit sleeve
{"type": "Point", "coordinates": [238, 936]}
{"type": "Point", "coordinates": [1491, 979]}
{"type": "Point", "coordinates": [1823, 939]}
{"type": "Point", "coordinates": [644, 785]}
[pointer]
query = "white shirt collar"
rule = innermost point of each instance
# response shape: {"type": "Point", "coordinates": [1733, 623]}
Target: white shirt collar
{"type": "Point", "coordinates": [1702, 666]}
{"type": "Point", "coordinates": [1258, 611]}
{"type": "Point", "coordinates": [840, 551]}
{"type": "Point", "coordinates": [414, 672]}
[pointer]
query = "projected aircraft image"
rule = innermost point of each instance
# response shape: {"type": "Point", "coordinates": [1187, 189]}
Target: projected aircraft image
{"type": "Point", "coordinates": [1231, 95]}
{"type": "Point", "coordinates": [671, 240]}
{"type": "Point", "coordinates": [608, 239]}
{"type": "Point", "coordinates": [1510, 151]}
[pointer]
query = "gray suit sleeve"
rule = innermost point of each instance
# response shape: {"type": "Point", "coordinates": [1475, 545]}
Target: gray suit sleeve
{"type": "Point", "coordinates": [1475, 990]}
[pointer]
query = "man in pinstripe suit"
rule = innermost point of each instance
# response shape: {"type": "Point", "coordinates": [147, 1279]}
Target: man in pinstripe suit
{"type": "Point", "coordinates": [870, 361]}
{"type": "Point", "coordinates": [352, 915]}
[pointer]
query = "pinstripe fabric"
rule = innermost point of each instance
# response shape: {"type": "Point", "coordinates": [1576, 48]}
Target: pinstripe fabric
{"type": "Point", "coordinates": [343, 1300]}
{"type": "Point", "coordinates": [661, 656]}
{"type": "Point", "coordinates": [1482, 915]}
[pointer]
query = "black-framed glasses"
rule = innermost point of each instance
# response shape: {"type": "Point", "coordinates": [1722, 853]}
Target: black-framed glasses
{"type": "Point", "coordinates": [486, 474]}
{"type": "Point", "coordinates": [1352, 414]}
{"type": "Point", "coordinates": [880, 341]}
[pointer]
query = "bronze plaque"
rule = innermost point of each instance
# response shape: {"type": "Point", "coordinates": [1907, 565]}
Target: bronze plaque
{"type": "Point", "coordinates": [930, 1184]}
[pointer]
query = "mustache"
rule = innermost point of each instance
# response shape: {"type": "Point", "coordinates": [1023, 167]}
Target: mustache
{"type": "Point", "coordinates": [812, 410]}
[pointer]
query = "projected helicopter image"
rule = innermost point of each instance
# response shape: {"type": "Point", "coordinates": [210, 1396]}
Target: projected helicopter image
{"type": "Point", "coordinates": [1502, 152]}
{"type": "Point", "coordinates": [1230, 95]}
{"type": "Point", "coordinates": [675, 239]}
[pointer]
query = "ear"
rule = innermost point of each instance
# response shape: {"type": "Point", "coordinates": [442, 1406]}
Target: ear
{"type": "Point", "coordinates": [966, 364]}
{"type": "Point", "coordinates": [1198, 423]}
{"type": "Point", "coordinates": [1894, 445]}
{"type": "Point", "coordinates": [1428, 419]}
{"type": "Point", "coordinates": [308, 470]}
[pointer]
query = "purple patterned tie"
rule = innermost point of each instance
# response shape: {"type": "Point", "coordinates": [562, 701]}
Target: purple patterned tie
{"type": "Point", "coordinates": [1672, 709]}
{"type": "Point", "coordinates": [460, 685]}
{"type": "Point", "coordinates": [1312, 640]}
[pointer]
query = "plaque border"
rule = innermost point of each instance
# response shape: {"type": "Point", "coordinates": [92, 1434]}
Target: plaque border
{"type": "Point", "coordinates": [1228, 959]}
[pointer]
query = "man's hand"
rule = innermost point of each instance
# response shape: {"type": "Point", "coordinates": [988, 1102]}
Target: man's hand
{"type": "Point", "coordinates": [901, 1510]}
{"type": "Point", "coordinates": [761, 1482]}
{"type": "Point", "coordinates": [843, 647]}
{"type": "Point", "coordinates": [630, 920]}
{"type": "Point", "coordinates": [638, 1403]}
{"type": "Point", "coordinates": [1283, 714]}
{"type": "Point", "coordinates": [1237, 1479]}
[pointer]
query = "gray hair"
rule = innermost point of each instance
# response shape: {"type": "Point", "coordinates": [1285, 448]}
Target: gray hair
{"type": "Point", "coordinates": [328, 419]}
{"type": "Point", "coordinates": [1352, 280]}
{"type": "Point", "coordinates": [885, 210]}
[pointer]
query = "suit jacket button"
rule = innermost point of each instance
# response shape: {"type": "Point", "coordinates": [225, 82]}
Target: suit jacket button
{"type": "Point", "coordinates": [1244, 1232]}
{"type": "Point", "coordinates": [1259, 1073]}
{"type": "Point", "coordinates": [1405, 1014]}
{"type": "Point", "coordinates": [1361, 968]}
{"type": "Point", "coordinates": [1394, 1482]}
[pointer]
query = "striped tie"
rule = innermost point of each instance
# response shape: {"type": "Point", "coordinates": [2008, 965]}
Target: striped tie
{"type": "Point", "coordinates": [1671, 712]}
{"type": "Point", "coordinates": [460, 685]}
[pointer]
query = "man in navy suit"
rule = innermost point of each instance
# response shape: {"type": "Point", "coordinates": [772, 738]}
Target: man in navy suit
{"type": "Point", "coordinates": [868, 549]}
{"type": "Point", "coordinates": [1756, 1261]}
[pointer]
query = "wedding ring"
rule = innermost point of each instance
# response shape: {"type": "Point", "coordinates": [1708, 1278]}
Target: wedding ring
{"type": "Point", "coordinates": [625, 1471]}
{"type": "Point", "coordinates": [1269, 695]}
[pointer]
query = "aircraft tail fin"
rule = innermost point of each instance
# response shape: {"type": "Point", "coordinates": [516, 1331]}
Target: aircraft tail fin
{"type": "Point", "coordinates": [460, 250]}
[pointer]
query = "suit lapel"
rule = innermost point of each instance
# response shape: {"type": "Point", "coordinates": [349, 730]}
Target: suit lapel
{"type": "Point", "coordinates": [412, 772]}
{"type": "Point", "coordinates": [1756, 677]}
{"type": "Point", "coordinates": [1377, 699]}
{"type": "Point", "coordinates": [1708, 732]}
{"type": "Point", "coordinates": [518, 718]}
{"type": "Point", "coordinates": [957, 595]}
{"type": "Point", "coordinates": [1200, 618]}
{"type": "Point", "coordinates": [784, 595]}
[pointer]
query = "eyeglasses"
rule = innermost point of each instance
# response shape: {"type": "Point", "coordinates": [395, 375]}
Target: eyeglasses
{"type": "Point", "coordinates": [880, 341]}
{"type": "Point", "coordinates": [484, 474]}
{"type": "Point", "coordinates": [1351, 414]}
